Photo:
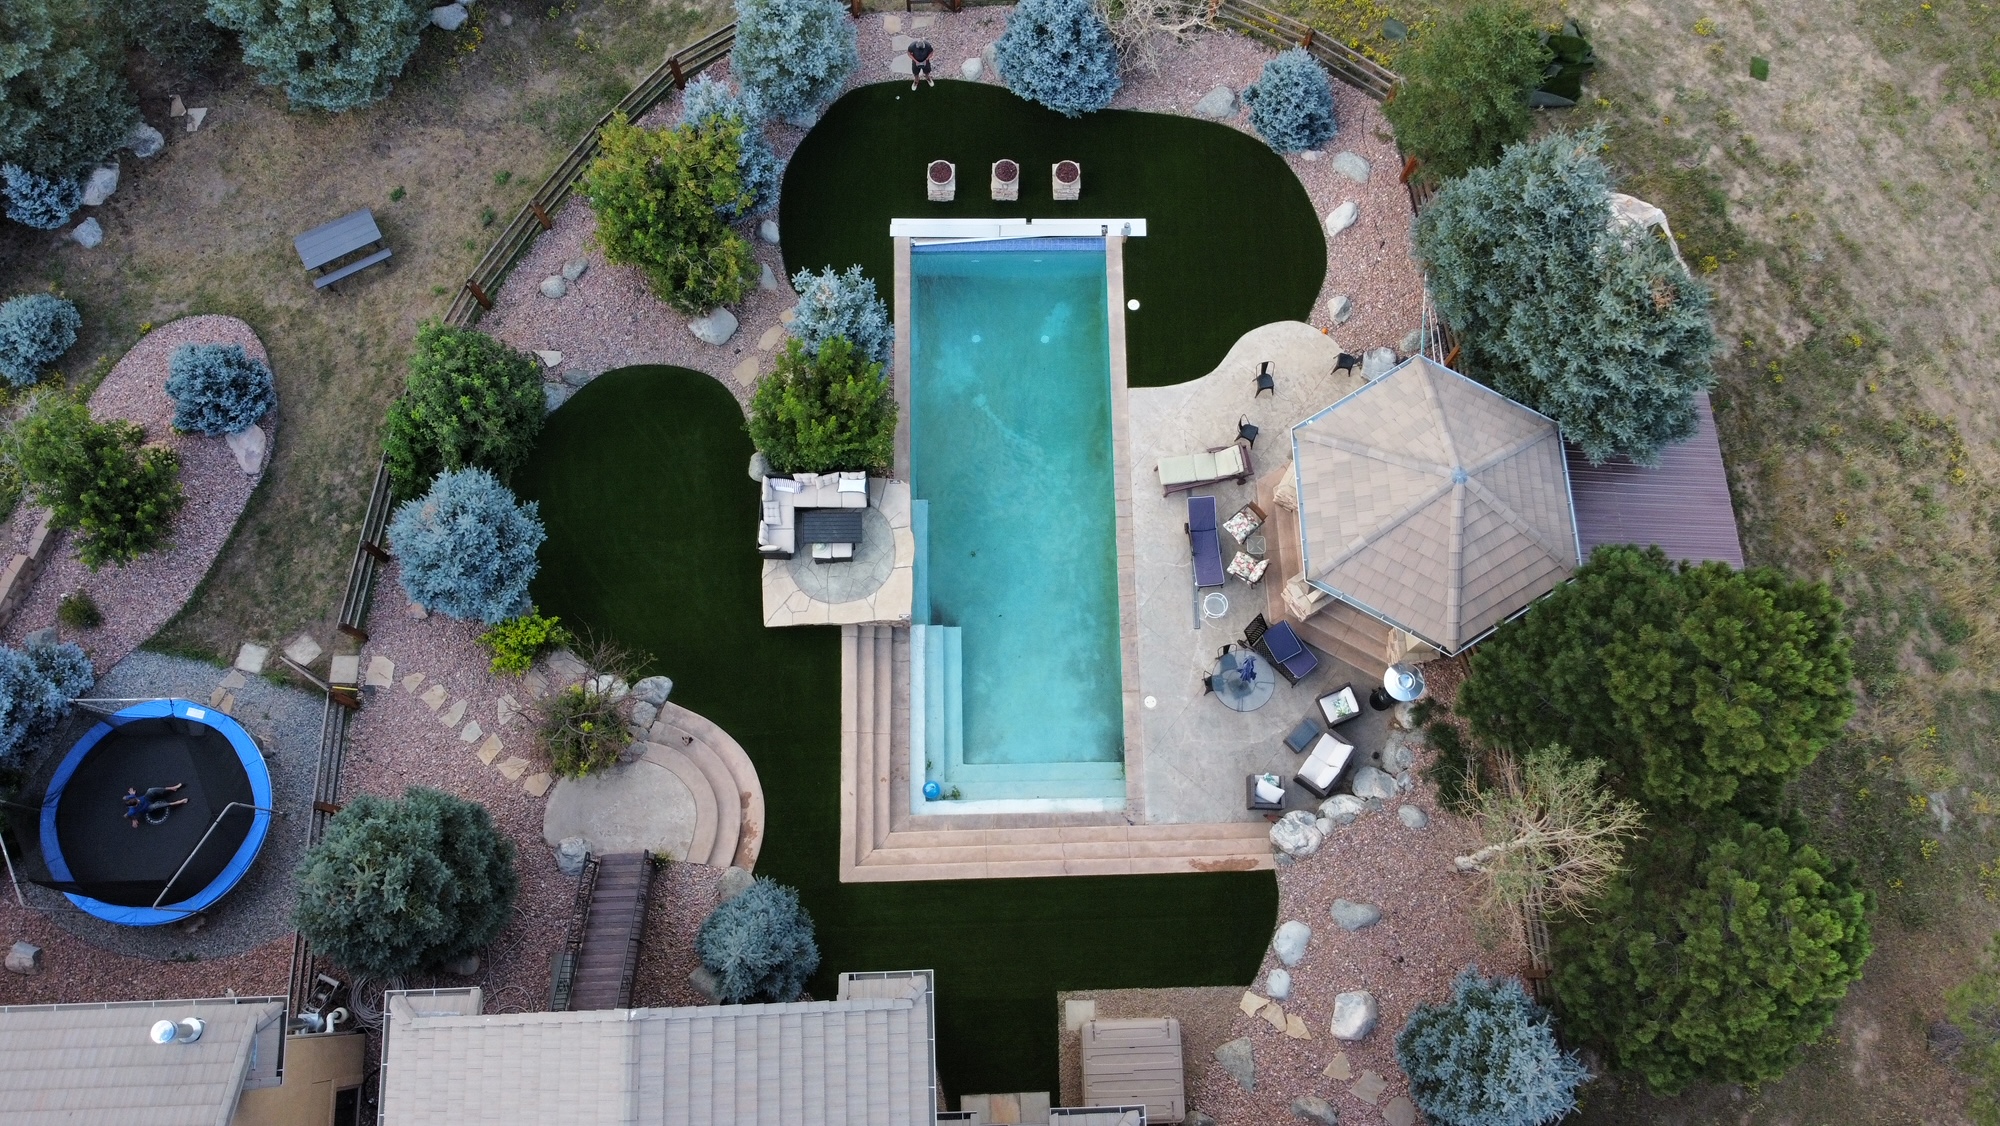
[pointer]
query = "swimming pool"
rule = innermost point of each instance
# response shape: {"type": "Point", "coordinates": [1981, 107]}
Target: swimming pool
{"type": "Point", "coordinates": [1019, 694]}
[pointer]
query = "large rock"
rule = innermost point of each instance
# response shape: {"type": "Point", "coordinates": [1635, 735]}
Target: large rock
{"type": "Point", "coordinates": [1278, 984]}
{"type": "Point", "coordinates": [571, 854]}
{"type": "Point", "coordinates": [1289, 944]}
{"type": "Point", "coordinates": [1197, 1118]}
{"type": "Point", "coordinates": [1372, 783]}
{"type": "Point", "coordinates": [1378, 362]}
{"type": "Point", "coordinates": [1295, 834]}
{"type": "Point", "coordinates": [1342, 809]}
{"type": "Point", "coordinates": [102, 182]}
{"type": "Point", "coordinates": [971, 69]}
{"type": "Point", "coordinates": [25, 958]}
{"type": "Point", "coordinates": [145, 141]}
{"type": "Point", "coordinates": [1412, 817]}
{"type": "Point", "coordinates": [578, 377]}
{"type": "Point", "coordinates": [1353, 1015]}
{"type": "Point", "coordinates": [1219, 104]}
{"type": "Point", "coordinates": [89, 234]}
{"type": "Point", "coordinates": [653, 690]}
{"type": "Point", "coordinates": [1342, 217]}
{"type": "Point", "coordinates": [705, 984]}
{"type": "Point", "coordinates": [555, 395]}
{"type": "Point", "coordinates": [760, 466]}
{"type": "Point", "coordinates": [1312, 1108]}
{"type": "Point", "coordinates": [735, 881]}
{"type": "Point", "coordinates": [1236, 1058]}
{"type": "Point", "coordinates": [1352, 166]}
{"type": "Point", "coordinates": [1340, 307]}
{"type": "Point", "coordinates": [988, 56]}
{"type": "Point", "coordinates": [463, 967]}
{"type": "Point", "coordinates": [766, 280]}
{"type": "Point", "coordinates": [249, 445]}
{"type": "Point", "coordinates": [643, 715]}
{"type": "Point", "coordinates": [574, 268]}
{"type": "Point", "coordinates": [1396, 755]}
{"type": "Point", "coordinates": [450, 17]}
{"type": "Point", "coordinates": [1412, 342]}
{"type": "Point", "coordinates": [1355, 916]}
{"type": "Point", "coordinates": [554, 286]}
{"type": "Point", "coordinates": [768, 231]}
{"type": "Point", "coordinates": [716, 328]}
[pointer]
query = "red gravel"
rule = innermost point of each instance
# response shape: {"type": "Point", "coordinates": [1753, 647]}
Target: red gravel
{"type": "Point", "coordinates": [74, 971]}
{"type": "Point", "coordinates": [683, 895]}
{"type": "Point", "coordinates": [140, 597]}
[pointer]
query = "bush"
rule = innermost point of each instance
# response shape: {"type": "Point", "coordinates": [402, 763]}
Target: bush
{"type": "Point", "coordinates": [842, 304]}
{"type": "Point", "coordinates": [41, 202]}
{"type": "Point", "coordinates": [759, 169]}
{"type": "Point", "coordinates": [1059, 53]}
{"type": "Point", "coordinates": [36, 686]}
{"type": "Point", "coordinates": [64, 102]}
{"type": "Point", "coordinates": [99, 478]}
{"type": "Point", "coordinates": [35, 330]}
{"type": "Point", "coordinates": [659, 197]}
{"type": "Point", "coordinates": [471, 402]}
{"type": "Point", "coordinates": [1698, 685]}
{"type": "Point", "coordinates": [583, 728]}
{"type": "Point", "coordinates": [825, 413]}
{"type": "Point", "coordinates": [218, 389]}
{"type": "Point", "coordinates": [335, 55]}
{"type": "Point", "coordinates": [516, 642]}
{"type": "Point", "coordinates": [1601, 330]}
{"type": "Point", "coordinates": [1464, 94]}
{"type": "Point", "coordinates": [759, 945]}
{"type": "Point", "coordinates": [1292, 103]}
{"type": "Point", "coordinates": [1713, 962]}
{"type": "Point", "coordinates": [176, 32]}
{"type": "Point", "coordinates": [467, 547]}
{"type": "Point", "coordinates": [78, 610]}
{"type": "Point", "coordinates": [794, 55]}
{"type": "Point", "coordinates": [398, 887]}
{"type": "Point", "coordinates": [1487, 1057]}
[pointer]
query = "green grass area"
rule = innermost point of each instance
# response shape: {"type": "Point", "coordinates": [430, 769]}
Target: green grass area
{"type": "Point", "coordinates": [1232, 241]}
{"type": "Point", "coordinates": [649, 512]}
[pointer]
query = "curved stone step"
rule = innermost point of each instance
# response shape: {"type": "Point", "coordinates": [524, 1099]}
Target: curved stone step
{"type": "Point", "coordinates": [706, 820]}
{"type": "Point", "coordinates": [728, 806]}
{"type": "Point", "coordinates": [737, 785]}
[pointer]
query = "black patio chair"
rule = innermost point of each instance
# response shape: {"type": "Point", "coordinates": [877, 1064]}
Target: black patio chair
{"type": "Point", "coordinates": [1254, 632]}
{"type": "Point", "coordinates": [1348, 362]}
{"type": "Point", "coordinates": [1265, 381]}
{"type": "Point", "coordinates": [1246, 432]}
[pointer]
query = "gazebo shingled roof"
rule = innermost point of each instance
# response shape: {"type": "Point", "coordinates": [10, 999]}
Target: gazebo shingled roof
{"type": "Point", "coordinates": [1433, 503]}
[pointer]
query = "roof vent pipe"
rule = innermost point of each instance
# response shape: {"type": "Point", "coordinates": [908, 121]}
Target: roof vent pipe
{"type": "Point", "coordinates": [184, 1031]}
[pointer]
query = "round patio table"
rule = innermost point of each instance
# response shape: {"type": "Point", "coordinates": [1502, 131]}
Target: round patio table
{"type": "Point", "coordinates": [1240, 692]}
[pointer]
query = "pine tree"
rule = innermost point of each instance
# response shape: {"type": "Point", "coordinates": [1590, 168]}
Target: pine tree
{"type": "Point", "coordinates": [1292, 103]}
{"type": "Point", "coordinates": [1061, 54]}
{"type": "Point", "coordinates": [64, 102]}
{"type": "Point", "coordinates": [332, 55]}
{"type": "Point", "coordinates": [35, 330]}
{"type": "Point", "coordinates": [842, 304]}
{"type": "Point", "coordinates": [471, 400]}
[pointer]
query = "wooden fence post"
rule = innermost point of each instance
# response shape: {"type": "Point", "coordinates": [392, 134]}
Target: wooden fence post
{"type": "Point", "coordinates": [541, 216]}
{"type": "Point", "coordinates": [355, 632]}
{"type": "Point", "coordinates": [1306, 40]}
{"type": "Point", "coordinates": [680, 80]}
{"type": "Point", "coordinates": [1410, 166]}
{"type": "Point", "coordinates": [478, 294]}
{"type": "Point", "coordinates": [1451, 361]}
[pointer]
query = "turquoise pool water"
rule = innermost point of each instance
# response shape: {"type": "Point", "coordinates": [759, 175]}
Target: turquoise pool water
{"type": "Point", "coordinates": [1010, 443]}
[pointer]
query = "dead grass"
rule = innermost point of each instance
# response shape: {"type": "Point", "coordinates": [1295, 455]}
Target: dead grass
{"type": "Point", "coordinates": [206, 227]}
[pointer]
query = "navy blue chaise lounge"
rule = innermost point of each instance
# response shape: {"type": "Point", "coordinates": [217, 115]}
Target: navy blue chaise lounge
{"type": "Point", "coordinates": [1204, 541]}
{"type": "Point", "coordinates": [1282, 645]}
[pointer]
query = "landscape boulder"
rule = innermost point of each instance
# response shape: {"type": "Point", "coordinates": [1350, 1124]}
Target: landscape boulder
{"type": "Point", "coordinates": [1296, 834]}
{"type": "Point", "coordinates": [554, 286]}
{"type": "Point", "coordinates": [89, 234]}
{"type": "Point", "coordinates": [768, 231]}
{"type": "Point", "coordinates": [1342, 809]}
{"type": "Point", "coordinates": [716, 328]}
{"type": "Point", "coordinates": [971, 69]}
{"type": "Point", "coordinates": [760, 466]}
{"type": "Point", "coordinates": [705, 984]}
{"type": "Point", "coordinates": [1235, 1057]}
{"type": "Point", "coordinates": [1372, 783]}
{"type": "Point", "coordinates": [766, 280]}
{"type": "Point", "coordinates": [1340, 307]}
{"type": "Point", "coordinates": [735, 881]}
{"type": "Point", "coordinates": [25, 958]}
{"type": "Point", "coordinates": [1353, 1015]}
{"type": "Point", "coordinates": [1396, 755]}
{"type": "Point", "coordinates": [102, 182]}
{"type": "Point", "coordinates": [653, 690]}
{"type": "Point", "coordinates": [450, 17]}
{"type": "Point", "coordinates": [1342, 217]}
{"type": "Point", "coordinates": [1312, 1108]}
{"type": "Point", "coordinates": [643, 715]}
{"type": "Point", "coordinates": [1278, 983]}
{"type": "Point", "coordinates": [1352, 165]}
{"type": "Point", "coordinates": [1355, 916]}
{"type": "Point", "coordinates": [1377, 362]}
{"type": "Point", "coordinates": [555, 395]}
{"type": "Point", "coordinates": [145, 141]}
{"type": "Point", "coordinates": [1412, 817]}
{"type": "Point", "coordinates": [249, 445]}
{"type": "Point", "coordinates": [1219, 104]}
{"type": "Point", "coordinates": [570, 855]}
{"type": "Point", "coordinates": [574, 268]}
{"type": "Point", "coordinates": [1289, 944]}
{"type": "Point", "coordinates": [463, 967]}
{"type": "Point", "coordinates": [1412, 342]}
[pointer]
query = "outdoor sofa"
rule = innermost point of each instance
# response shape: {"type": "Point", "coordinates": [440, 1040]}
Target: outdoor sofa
{"type": "Point", "coordinates": [1321, 771]}
{"type": "Point", "coordinates": [777, 522]}
{"type": "Point", "coordinates": [1191, 471]}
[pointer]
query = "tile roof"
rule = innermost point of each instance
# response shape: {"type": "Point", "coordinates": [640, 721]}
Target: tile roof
{"type": "Point", "coordinates": [1682, 504]}
{"type": "Point", "coordinates": [860, 1060]}
{"type": "Point", "coordinates": [1433, 503]}
{"type": "Point", "coordinates": [84, 1065]}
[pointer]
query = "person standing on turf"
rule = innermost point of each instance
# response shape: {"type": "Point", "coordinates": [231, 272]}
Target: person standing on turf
{"type": "Point", "coordinates": [920, 63]}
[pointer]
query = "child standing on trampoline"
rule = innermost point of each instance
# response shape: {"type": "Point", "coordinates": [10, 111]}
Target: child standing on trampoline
{"type": "Point", "coordinates": [138, 805]}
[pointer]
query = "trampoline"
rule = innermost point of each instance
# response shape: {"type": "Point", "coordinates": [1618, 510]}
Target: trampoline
{"type": "Point", "coordinates": [160, 872]}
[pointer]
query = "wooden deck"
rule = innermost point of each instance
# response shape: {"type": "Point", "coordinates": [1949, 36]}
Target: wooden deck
{"type": "Point", "coordinates": [610, 949]}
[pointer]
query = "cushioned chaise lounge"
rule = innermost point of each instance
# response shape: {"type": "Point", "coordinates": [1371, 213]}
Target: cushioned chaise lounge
{"type": "Point", "coordinates": [1282, 645]}
{"type": "Point", "coordinates": [1204, 541]}
{"type": "Point", "coordinates": [1189, 471]}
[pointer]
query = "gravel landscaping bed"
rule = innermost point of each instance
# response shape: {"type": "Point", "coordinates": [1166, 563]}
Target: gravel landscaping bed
{"type": "Point", "coordinates": [140, 597]}
{"type": "Point", "coordinates": [683, 895]}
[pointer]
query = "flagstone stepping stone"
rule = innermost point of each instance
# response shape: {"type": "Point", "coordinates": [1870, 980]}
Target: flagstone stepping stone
{"type": "Point", "coordinates": [508, 708]}
{"type": "Point", "coordinates": [453, 714]}
{"type": "Point", "coordinates": [1400, 1112]}
{"type": "Point", "coordinates": [892, 24]}
{"type": "Point", "coordinates": [470, 733]}
{"type": "Point", "coordinates": [490, 749]}
{"type": "Point", "coordinates": [381, 672]}
{"type": "Point", "coordinates": [303, 650]}
{"type": "Point", "coordinates": [234, 678]}
{"type": "Point", "coordinates": [746, 372]}
{"type": "Point", "coordinates": [1295, 1027]}
{"type": "Point", "coordinates": [1251, 1004]}
{"type": "Point", "coordinates": [513, 768]}
{"type": "Point", "coordinates": [772, 337]}
{"type": "Point", "coordinates": [537, 784]}
{"type": "Point", "coordinates": [434, 697]}
{"type": "Point", "coordinates": [345, 668]}
{"type": "Point", "coordinates": [412, 682]}
{"type": "Point", "coordinates": [228, 704]}
{"type": "Point", "coordinates": [215, 697]}
{"type": "Point", "coordinates": [922, 23]}
{"type": "Point", "coordinates": [1274, 1015]}
{"type": "Point", "coordinates": [787, 316]}
{"type": "Point", "coordinates": [251, 657]}
{"type": "Point", "coordinates": [1369, 1087]}
{"type": "Point", "coordinates": [1339, 1068]}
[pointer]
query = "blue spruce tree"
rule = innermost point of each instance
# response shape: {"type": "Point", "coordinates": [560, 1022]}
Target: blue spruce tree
{"type": "Point", "coordinates": [1487, 1057]}
{"type": "Point", "coordinates": [1059, 53]}
{"type": "Point", "coordinates": [467, 547]}
{"type": "Point", "coordinates": [1292, 103]}
{"type": "Point", "coordinates": [793, 55]}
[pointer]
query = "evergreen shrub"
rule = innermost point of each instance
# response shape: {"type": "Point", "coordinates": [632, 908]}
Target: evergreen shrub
{"type": "Point", "coordinates": [471, 401]}
{"type": "Point", "coordinates": [64, 101]}
{"type": "Point", "coordinates": [99, 478]}
{"type": "Point", "coordinates": [759, 169]}
{"type": "Point", "coordinates": [759, 946]}
{"type": "Point", "coordinates": [218, 389]}
{"type": "Point", "coordinates": [41, 202]}
{"type": "Point", "coordinates": [35, 330]}
{"type": "Point", "coordinates": [1487, 1057]}
{"type": "Point", "coordinates": [1464, 93]}
{"type": "Point", "coordinates": [36, 686]}
{"type": "Point", "coordinates": [1059, 53]}
{"type": "Point", "coordinates": [824, 413]}
{"type": "Point", "coordinates": [1292, 103]}
{"type": "Point", "coordinates": [78, 610]}
{"type": "Point", "coordinates": [467, 547]}
{"type": "Point", "coordinates": [331, 55]}
{"type": "Point", "coordinates": [842, 304]}
{"type": "Point", "coordinates": [659, 197]}
{"type": "Point", "coordinates": [794, 55]}
{"type": "Point", "coordinates": [516, 642]}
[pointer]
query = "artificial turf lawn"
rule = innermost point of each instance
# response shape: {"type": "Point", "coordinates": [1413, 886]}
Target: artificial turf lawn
{"type": "Point", "coordinates": [650, 519]}
{"type": "Point", "coordinates": [1231, 243]}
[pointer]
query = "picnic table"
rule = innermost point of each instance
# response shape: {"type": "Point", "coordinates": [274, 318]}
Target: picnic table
{"type": "Point", "coordinates": [328, 243]}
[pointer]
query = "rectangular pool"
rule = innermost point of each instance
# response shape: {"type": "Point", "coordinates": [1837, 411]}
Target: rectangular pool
{"type": "Point", "coordinates": [1011, 445]}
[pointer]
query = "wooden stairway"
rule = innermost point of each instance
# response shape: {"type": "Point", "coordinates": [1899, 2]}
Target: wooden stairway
{"type": "Point", "coordinates": [606, 945]}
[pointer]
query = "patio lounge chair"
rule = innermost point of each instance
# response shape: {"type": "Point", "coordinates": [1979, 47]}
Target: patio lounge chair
{"type": "Point", "coordinates": [1204, 541]}
{"type": "Point", "coordinates": [1191, 471]}
{"type": "Point", "coordinates": [1282, 645]}
{"type": "Point", "coordinates": [1339, 706]}
{"type": "Point", "coordinates": [1321, 771]}
{"type": "Point", "coordinates": [1262, 802]}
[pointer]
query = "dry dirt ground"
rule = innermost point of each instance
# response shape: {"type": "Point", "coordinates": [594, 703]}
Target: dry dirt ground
{"type": "Point", "coordinates": [478, 120]}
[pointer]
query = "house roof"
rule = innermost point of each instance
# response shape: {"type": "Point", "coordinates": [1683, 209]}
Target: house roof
{"type": "Point", "coordinates": [1433, 503]}
{"type": "Point", "coordinates": [1682, 504]}
{"type": "Point", "coordinates": [83, 1065]}
{"type": "Point", "coordinates": [863, 1059]}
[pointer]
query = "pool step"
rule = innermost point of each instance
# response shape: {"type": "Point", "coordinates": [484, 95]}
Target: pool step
{"type": "Point", "coordinates": [873, 784]}
{"type": "Point", "coordinates": [937, 724]}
